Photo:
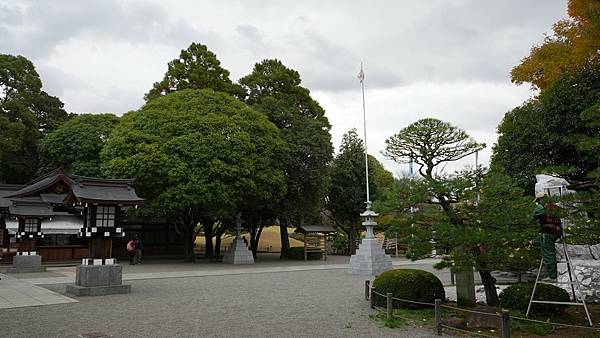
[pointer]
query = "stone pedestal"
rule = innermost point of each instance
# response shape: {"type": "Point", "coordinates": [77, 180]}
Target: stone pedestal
{"type": "Point", "coordinates": [238, 253]}
{"type": "Point", "coordinates": [101, 277]}
{"type": "Point", "coordinates": [369, 259]}
{"type": "Point", "coordinates": [27, 262]}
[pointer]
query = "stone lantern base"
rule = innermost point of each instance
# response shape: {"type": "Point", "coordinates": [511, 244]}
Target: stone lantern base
{"type": "Point", "coordinates": [370, 259]}
{"type": "Point", "coordinates": [98, 277]}
{"type": "Point", "coordinates": [238, 253]}
{"type": "Point", "coordinates": [27, 261]}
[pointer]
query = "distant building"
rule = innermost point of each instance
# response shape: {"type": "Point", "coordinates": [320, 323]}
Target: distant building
{"type": "Point", "coordinates": [67, 217]}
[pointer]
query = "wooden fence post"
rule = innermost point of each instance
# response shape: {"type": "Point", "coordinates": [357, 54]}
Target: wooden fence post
{"type": "Point", "coordinates": [390, 305]}
{"type": "Point", "coordinates": [505, 323]}
{"type": "Point", "coordinates": [372, 298]}
{"type": "Point", "coordinates": [367, 289]}
{"type": "Point", "coordinates": [438, 317]}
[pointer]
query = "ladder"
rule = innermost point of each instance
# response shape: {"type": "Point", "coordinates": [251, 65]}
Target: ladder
{"type": "Point", "coordinates": [573, 282]}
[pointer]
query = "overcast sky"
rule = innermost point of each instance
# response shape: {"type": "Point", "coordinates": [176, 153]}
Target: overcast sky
{"type": "Point", "coordinates": [445, 59]}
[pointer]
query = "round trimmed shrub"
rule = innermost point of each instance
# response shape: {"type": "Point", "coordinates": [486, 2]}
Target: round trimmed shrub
{"type": "Point", "coordinates": [516, 297]}
{"type": "Point", "coordinates": [409, 284]}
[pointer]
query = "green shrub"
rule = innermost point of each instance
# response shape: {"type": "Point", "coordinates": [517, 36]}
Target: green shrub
{"type": "Point", "coordinates": [517, 297]}
{"type": "Point", "coordinates": [298, 253]}
{"type": "Point", "coordinates": [409, 284]}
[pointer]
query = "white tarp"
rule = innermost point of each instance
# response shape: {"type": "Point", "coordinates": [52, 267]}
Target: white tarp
{"type": "Point", "coordinates": [551, 185]}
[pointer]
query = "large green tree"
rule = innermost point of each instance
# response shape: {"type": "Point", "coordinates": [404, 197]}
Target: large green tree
{"type": "Point", "coordinates": [430, 144]}
{"type": "Point", "coordinates": [26, 114]}
{"type": "Point", "coordinates": [76, 145]}
{"type": "Point", "coordinates": [556, 133]}
{"type": "Point", "coordinates": [195, 68]}
{"type": "Point", "coordinates": [197, 155]}
{"type": "Point", "coordinates": [347, 193]}
{"type": "Point", "coordinates": [275, 90]}
{"type": "Point", "coordinates": [574, 44]}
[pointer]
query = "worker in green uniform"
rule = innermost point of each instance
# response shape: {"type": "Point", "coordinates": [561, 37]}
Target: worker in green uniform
{"type": "Point", "coordinates": [550, 230]}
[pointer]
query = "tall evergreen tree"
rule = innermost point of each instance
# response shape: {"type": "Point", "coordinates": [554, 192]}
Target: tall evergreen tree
{"type": "Point", "coordinates": [195, 68]}
{"type": "Point", "coordinates": [275, 90]}
{"type": "Point", "coordinates": [26, 114]}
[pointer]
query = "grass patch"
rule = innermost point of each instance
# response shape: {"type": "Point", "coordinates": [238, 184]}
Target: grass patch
{"type": "Point", "coordinates": [529, 327]}
{"type": "Point", "coordinates": [406, 317]}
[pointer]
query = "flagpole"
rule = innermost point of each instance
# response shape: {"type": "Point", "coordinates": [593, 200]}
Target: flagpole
{"type": "Point", "coordinates": [362, 85]}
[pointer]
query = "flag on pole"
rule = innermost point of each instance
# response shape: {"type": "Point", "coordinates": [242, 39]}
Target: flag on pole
{"type": "Point", "coordinates": [361, 75]}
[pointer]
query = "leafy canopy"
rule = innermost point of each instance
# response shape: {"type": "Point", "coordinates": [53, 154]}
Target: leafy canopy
{"type": "Point", "coordinates": [195, 68]}
{"type": "Point", "coordinates": [76, 145]}
{"type": "Point", "coordinates": [574, 44]}
{"type": "Point", "coordinates": [270, 78]}
{"type": "Point", "coordinates": [197, 153]}
{"type": "Point", "coordinates": [556, 133]}
{"type": "Point", "coordinates": [26, 114]}
{"type": "Point", "coordinates": [275, 90]}
{"type": "Point", "coordinates": [430, 142]}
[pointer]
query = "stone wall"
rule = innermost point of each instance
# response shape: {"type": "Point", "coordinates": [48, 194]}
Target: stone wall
{"type": "Point", "coordinates": [586, 263]}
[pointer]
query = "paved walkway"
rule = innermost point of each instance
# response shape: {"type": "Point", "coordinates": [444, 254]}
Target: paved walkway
{"type": "Point", "coordinates": [176, 269]}
{"type": "Point", "coordinates": [20, 293]}
{"type": "Point", "coordinates": [310, 303]}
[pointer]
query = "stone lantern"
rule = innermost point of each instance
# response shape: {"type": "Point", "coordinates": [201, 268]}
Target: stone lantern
{"type": "Point", "coordinates": [238, 253]}
{"type": "Point", "coordinates": [370, 259]}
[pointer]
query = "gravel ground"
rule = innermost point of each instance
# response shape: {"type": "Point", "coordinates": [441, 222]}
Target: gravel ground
{"type": "Point", "coordinates": [327, 303]}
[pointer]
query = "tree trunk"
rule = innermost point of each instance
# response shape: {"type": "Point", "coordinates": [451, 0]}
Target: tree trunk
{"type": "Point", "coordinates": [188, 243]}
{"type": "Point", "coordinates": [208, 236]}
{"type": "Point", "coordinates": [352, 240]}
{"type": "Point", "coordinates": [285, 239]}
{"type": "Point", "coordinates": [489, 284]}
{"type": "Point", "coordinates": [255, 232]}
{"type": "Point", "coordinates": [218, 238]}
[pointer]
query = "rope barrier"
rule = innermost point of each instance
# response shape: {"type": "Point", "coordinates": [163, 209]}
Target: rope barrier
{"type": "Point", "coordinates": [471, 311]}
{"type": "Point", "coordinates": [556, 324]}
{"type": "Point", "coordinates": [413, 302]}
{"type": "Point", "coordinates": [468, 332]}
{"type": "Point", "coordinates": [597, 329]}
{"type": "Point", "coordinates": [379, 294]}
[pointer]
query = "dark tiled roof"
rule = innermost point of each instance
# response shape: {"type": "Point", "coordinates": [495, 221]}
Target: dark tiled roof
{"type": "Point", "coordinates": [7, 189]}
{"type": "Point", "coordinates": [30, 207]}
{"type": "Point", "coordinates": [112, 191]}
{"type": "Point", "coordinates": [42, 183]}
{"type": "Point", "coordinates": [83, 189]}
{"type": "Point", "coordinates": [316, 228]}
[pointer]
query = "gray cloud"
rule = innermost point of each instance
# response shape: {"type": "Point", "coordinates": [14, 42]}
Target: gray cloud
{"type": "Point", "coordinates": [446, 59]}
{"type": "Point", "coordinates": [35, 28]}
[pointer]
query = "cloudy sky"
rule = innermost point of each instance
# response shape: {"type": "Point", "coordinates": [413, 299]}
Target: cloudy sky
{"type": "Point", "coordinates": [448, 59]}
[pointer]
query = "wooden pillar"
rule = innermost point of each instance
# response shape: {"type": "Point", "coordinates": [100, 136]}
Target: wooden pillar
{"type": "Point", "coordinates": [27, 244]}
{"type": "Point", "coordinates": [305, 253]}
{"type": "Point", "coordinates": [325, 246]}
{"type": "Point", "coordinates": [100, 247]}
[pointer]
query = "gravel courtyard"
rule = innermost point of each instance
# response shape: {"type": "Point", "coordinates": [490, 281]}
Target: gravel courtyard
{"type": "Point", "coordinates": [325, 303]}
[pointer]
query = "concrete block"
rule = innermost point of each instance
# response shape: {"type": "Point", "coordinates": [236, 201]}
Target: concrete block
{"type": "Point", "coordinates": [78, 290]}
{"type": "Point", "coordinates": [99, 275]}
{"type": "Point", "coordinates": [30, 263]}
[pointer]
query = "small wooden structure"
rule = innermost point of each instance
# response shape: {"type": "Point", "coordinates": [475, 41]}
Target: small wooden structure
{"type": "Point", "coordinates": [315, 238]}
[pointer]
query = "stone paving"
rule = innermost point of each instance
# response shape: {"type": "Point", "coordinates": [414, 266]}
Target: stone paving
{"type": "Point", "coordinates": [272, 298]}
{"type": "Point", "coordinates": [20, 293]}
{"type": "Point", "coordinates": [263, 301]}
